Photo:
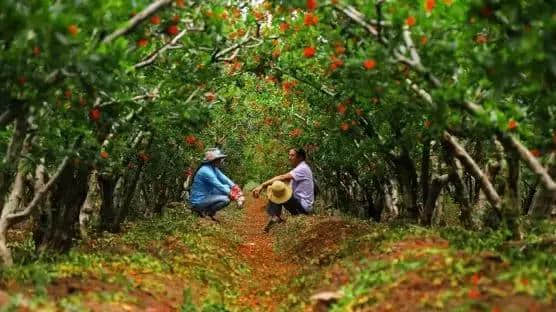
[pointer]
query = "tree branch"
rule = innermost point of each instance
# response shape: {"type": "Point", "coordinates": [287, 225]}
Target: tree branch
{"type": "Point", "coordinates": [379, 28]}
{"type": "Point", "coordinates": [321, 88]}
{"type": "Point", "coordinates": [461, 154]}
{"type": "Point", "coordinates": [246, 38]}
{"type": "Point", "coordinates": [530, 160]}
{"type": "Point", "coordinates": [137, 19]}
{"type": "Point", "coordinates": [40, 194]}
{"type": "Point", "coordinates": [151, 58]}
{"type": "Point", "coordinates": [359, 18]}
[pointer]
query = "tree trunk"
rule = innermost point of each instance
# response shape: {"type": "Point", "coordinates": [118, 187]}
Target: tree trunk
{"type": "Point", "coordinates": [425, 170]}
{"type": "Point", "coordinates": [407, 178]}
{"type": "Point", "coordinates": [13, 203]}
{"type": "Point", "coordinates": [129, 185]}
{"type": "Point", "coordinates": [58, 224]}
{"type": "Point", "coordinates": [461, 154]}
{"type": "Point", "coordinates": [474, 185]}
{"type": "Point", "coordinates": [391, 197]}
{"type": "Point", "coordinates": [544, 201]}
{"type": "Point", "coordinates": [513, 202]}
{"type": "Point", "coordinates": [462, 192]}
{"type": "Point", "coordinates": [12, 155]}
{"type": "Point", "coordinates": [107, 186]}
{"type": "Point", "coordinates": [88, 207]}
{"type": "Point", "coordinates": [438, 183]}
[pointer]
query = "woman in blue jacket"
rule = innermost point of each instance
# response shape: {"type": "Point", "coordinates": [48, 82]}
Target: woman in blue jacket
{"type": "Point", "coordinates": [211, 189]}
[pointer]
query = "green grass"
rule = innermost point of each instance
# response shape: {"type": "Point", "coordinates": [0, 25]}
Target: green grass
{"type": "Point", "coordinates": [172, 245]}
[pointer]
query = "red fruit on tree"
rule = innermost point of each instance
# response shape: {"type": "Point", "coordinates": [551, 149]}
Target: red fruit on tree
{"type": "Point", "coordinates": [339, 49]}
{"type": "Point", "coordinates": [288, 85]}
{"type": "Point", "coordinates": [21, 80]}
{"type": "Point", "coordinates": [104, 154]}
{"type": "Point", "coordinates": [535, 152]}
{"type": "Point", "coordinates": [295, 133]}
{"type": "Point", "coordinates": [496, 309]}
{"type": "Point", "coordinates": [475, 279]}
{"type": "Point", "coordinates": [284, 27]}
{"type": "Point", "coordinates": [311, 4]}
{"type": "Point", "coordinates": [36, 51]}
{"type": "Point", "coordinates": [474, 294]}
{"type": "Point", "coordinates": [310, 19]}
{"type": "Point", "coordinates": [142, 42]}
{"type": "Point", "coordinates": [341, 108]}
{"type": "Point", "coordinates": [481, 39]}
{"type": "Point", "coordinates": [486, 11]}
{"type": "Point", "coordinates": [172, 30]}
{"type": "Point", "coordinates": [94, 114]}
{"type": "Point", "coordinates": [410, 21]}
{"type": "Point", "coordinates": [191, 139]}
{"type": "Point", "coordinates": [68, 94]}
{"type": "Point", "coordinates": [429, 5]}
{"type": "Point", "coordinates": [336, 63]}
{"type": "Point", "coordinates": [369, 64]}
{"type": "Point", "coordinates": [155, 20]}
{"type": "Point", "coordinates": [309, 52]}
{"type": "Point", "coordinates": [344, 126]}
{"type": "Point", "coordinates": [143, 156]}
{"type": "Point", "coordinates": [512, 124]}
{"type": "Point", "coordinates": [259, 16]}
{"type": "Point", "coordinates": [73, 30]}
{"type": "Point", "coordinates": [424, 40]}
{"type": "Point", "coordinates": [210, 96]}
{"type": "Point", "coordinates": [180, 3]}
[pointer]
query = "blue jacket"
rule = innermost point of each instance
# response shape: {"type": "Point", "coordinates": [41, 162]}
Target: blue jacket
{"type": "Point", "coordinates": [208, 181]}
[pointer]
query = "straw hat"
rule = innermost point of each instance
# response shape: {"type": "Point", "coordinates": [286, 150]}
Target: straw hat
{"type": "Point", "coordinates": [213, 154]}
{"type": "Point", "coordinates": [279, 192]}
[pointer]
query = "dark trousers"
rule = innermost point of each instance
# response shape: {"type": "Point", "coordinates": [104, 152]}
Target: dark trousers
{"type": "Point", "coordinates": [292, 205]}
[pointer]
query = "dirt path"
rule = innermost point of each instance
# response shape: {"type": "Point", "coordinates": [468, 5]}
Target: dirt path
{"type": "Point", "coordinates": [268, 270]}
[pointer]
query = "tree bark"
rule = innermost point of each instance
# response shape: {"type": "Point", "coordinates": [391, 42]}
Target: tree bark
{"type": "Point", "coordinates": [462, 192]}
{"type": "Point", "coordinates": [437, 184]}
{"type": "Point", "coordinates": [407, 177]}
{"type": "Point", "coordinates": [12, 155]}
{"type": "Point", "coordinates": [137, 19]}
{"type": "Point", "coordinates": [544, 201]}
{"type": "Point", "coordinates": [88, 207]}
{"type": "Point", "coordinates": [58, 227]}
{"type": "Point", "coordinates": [459, 152]}
{"type": "Point", "coordinates": [425, 171]}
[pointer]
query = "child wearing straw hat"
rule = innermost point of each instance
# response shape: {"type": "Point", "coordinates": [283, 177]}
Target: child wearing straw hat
{"type": "Point", "coordinates": [297, 198]}
{"type": "Point", "coordinates": [211, 189]}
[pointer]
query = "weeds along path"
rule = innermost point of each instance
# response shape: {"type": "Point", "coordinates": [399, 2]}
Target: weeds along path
{"type": "Point", "coordinates": [269, 271]}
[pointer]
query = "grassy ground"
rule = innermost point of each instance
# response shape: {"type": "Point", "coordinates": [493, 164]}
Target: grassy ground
{"type": "Point", "coordinates": [181, 263]}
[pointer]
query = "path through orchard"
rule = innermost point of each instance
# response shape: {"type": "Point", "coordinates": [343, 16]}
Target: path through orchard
{"type": "Point", "coordinates": [269, 270]}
